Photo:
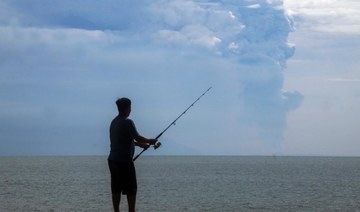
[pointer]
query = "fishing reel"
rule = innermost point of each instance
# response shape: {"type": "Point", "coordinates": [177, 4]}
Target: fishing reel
{"type": "Point", "coordinates": [157, 145]}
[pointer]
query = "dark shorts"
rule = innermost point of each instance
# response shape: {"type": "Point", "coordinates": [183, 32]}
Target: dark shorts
{"type": "Point", "coordinates": [123, 177]}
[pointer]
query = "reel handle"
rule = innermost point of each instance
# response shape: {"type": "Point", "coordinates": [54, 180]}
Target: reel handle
{"type": "Point", "coordinates": [157, 145]}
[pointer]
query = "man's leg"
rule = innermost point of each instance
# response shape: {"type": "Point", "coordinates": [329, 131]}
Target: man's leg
{"type": "Point", "coordinates": [131, 202]}
{"type": "Point", "coordinates": [116, 201]}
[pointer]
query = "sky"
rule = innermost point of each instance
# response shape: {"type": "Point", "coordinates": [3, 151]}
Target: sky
{"type": "Point", "coordinates": [284, 75]}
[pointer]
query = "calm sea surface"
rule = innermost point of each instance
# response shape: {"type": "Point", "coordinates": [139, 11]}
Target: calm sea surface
{"type": "Point", "coordinates": [182, 183]}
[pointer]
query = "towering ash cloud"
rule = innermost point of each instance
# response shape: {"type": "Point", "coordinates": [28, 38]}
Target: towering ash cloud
{"type": "Point", "coordinates": [255, 33]}
{"type": "Point", "coordinates": [262, 49]}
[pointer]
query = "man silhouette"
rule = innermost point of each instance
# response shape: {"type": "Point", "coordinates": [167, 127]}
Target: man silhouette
{"type": "Point", "coordinates": [123, 139]}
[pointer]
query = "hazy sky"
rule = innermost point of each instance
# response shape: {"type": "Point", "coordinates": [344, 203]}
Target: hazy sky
{"type": "Point", "coordinates": [285, 75]}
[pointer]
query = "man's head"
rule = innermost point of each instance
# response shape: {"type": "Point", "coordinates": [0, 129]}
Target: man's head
{"type": "Point", "coordinates": [124, 106]}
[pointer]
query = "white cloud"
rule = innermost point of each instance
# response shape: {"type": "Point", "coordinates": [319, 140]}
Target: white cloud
{"type": "Point", "coordinates": [191, 24]}
{"type": "Point", "coordinates": [344, 80]}
{"type": "Point", "coordinates": [32, 46]}
{"type": "Point", "coordinates": [336, 16]}
{"type": "Point", "coordinates": [254, 6]}
{"type": "Point", "coordinates": [190, 35]}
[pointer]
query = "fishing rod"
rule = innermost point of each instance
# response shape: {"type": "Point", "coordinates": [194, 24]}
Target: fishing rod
{"type": "Point", "coordinates": [158, 144]}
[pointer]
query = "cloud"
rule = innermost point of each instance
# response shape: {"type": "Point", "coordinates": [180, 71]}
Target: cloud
{"type": "Point", "coordinates": [262, 53]}
{"type": "Point", "coordinates": [107, 14]}
{"type": "Point", "coordinates": [345, 80]}
{"type": "Point", "coordinates": [30, 45]}
{"type": "Point", "coordinates": [334, 16]}
{"type": "Point", "coordinates": [73, 48]}
{"type": "Point", "coordinates": [190, 35]}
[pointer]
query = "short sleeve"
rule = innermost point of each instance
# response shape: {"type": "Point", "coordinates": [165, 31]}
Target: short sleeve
{"type": "Point", "coordinates": [132, 129]}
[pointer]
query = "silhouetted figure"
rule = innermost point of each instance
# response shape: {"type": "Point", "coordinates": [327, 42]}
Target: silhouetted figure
{"type": "Point", "coordinates": [123, 139]}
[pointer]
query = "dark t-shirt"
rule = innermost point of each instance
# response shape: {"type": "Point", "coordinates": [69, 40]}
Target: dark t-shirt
{"type": "Point", "coordinates": [122, 135]}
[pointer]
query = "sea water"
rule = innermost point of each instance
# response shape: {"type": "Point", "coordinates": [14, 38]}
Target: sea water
{"type": "Point", "coordinates": [184, 183]}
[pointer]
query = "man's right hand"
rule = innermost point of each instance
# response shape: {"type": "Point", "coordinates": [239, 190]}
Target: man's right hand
{"type": "Point", "coordinates": [152, 141]}
{"type": "Point", "coordinates": [142, 145]}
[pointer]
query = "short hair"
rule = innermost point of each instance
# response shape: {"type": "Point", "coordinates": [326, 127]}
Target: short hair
{"type": "Point", "coordinates": [122, 104]}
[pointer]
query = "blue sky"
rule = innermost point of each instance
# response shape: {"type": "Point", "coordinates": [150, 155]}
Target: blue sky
{"type": "Point", "coordinates": [284, 74]}
{"type": "Point", "coordinates": [325, 69]}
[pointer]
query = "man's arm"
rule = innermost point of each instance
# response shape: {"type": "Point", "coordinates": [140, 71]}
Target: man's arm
{"type": "Point", "coordinates": [143, 140]}
{"type": "Point", "coordinates": [139, 140]}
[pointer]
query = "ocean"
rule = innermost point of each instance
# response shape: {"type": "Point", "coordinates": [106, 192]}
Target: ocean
{"type": "Point", "coordinates": [184, 183]}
